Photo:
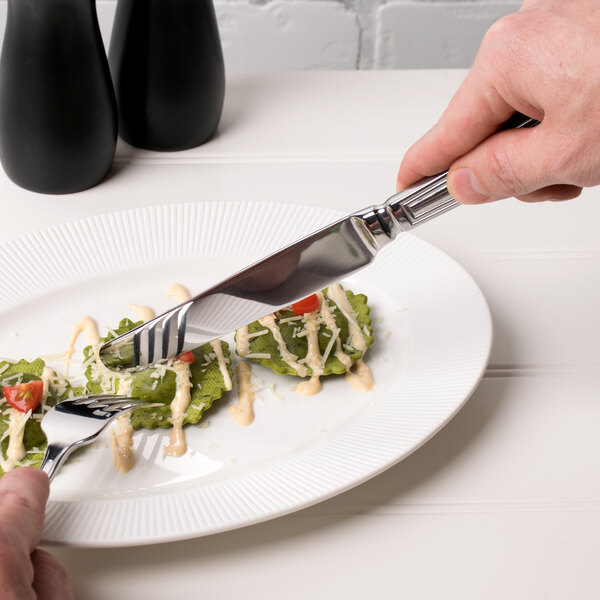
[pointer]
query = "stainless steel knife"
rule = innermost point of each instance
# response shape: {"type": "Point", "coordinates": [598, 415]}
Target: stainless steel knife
{"type": "Point", "coordinates": [286, 276]}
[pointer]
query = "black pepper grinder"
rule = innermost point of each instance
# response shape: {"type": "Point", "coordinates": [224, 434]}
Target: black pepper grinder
{"type": "Point", "coordinates": [58, 115]}
{"type": "Point", "coordinates": [167, 66]}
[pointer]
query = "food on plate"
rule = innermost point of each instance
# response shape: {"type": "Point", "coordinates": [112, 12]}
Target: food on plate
{"type": "Point", "coordinates": [243, 411]}
{"type": "Point", "coordinates": [325, 334]}
{"type": "Point", "coordinates": [186, 386]}
{"type": "Point", "coordinates": [206, 368]}
{"type": "Point", "coordinates": [28, 390]}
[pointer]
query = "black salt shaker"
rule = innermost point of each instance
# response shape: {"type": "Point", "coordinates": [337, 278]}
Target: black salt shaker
{"type": "Point", "coordinates": [58, 116]}
{"type": "Point", "coordinates": [166, 61]}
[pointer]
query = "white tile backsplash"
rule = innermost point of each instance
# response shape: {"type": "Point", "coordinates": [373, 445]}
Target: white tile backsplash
{"type": "Point", "coordinates": [263, 35]}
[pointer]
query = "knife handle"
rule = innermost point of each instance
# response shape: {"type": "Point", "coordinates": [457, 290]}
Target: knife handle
{"type": "Point", "coordinates": [420, 202]}
{"type": "Point", "coordinates": [430, 197]}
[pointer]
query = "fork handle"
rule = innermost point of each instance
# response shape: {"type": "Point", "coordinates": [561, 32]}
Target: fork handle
{"type": "Point", "coordinates": [55, 456]}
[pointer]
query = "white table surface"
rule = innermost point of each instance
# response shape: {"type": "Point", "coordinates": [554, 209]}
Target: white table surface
{"type": "Point", "coordinates": [504, 502]}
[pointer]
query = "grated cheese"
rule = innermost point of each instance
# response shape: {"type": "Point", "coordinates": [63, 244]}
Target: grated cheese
{"type": "Point", "coordinates": [330, 323]}
{"type": "Point", "coordinates": [356, 335]}
{"type": "Point", "coordinates": [17, 376]}
{"type": "Point", "coordinates": [286, 355]}
{"type": "Point", "coordinates": [329, 347]}
{"type": "Point", "coordinates": [288, 319]}
{"type": "Point", "coordinates": [259, 333]}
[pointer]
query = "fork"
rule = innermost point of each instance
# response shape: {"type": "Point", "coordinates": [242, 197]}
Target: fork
{"type": "Point", "coordinates": [79, 421]}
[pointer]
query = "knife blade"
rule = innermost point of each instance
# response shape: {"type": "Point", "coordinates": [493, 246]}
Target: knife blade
{"type": "Point", "coordinates": [286, 276]}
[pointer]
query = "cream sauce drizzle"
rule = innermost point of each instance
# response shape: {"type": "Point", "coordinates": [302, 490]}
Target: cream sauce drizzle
{"type": "Point", "coordinates": [329, 321]}
{"type": "Point", "coordinates": [337, 294]}
{"type": "Point", "coordinates": [286, 355]}
{"type": "Point", "coordinates": [310, 387]}
{"type": "Point", "coordinates": [243, 412]}
{"type": "Point", "coordinates": [242, 341]}
{"type": "Point", "coordinates": [47, 374]}
{"type": "Point", "coordinates": [90, 327]}
{"type": "Point", "coordinates": [145, 313]}
{"type": "Point", "coordinates": [177, 443]}
{"type": "Point", "coordinates": [15, 451]}
{"type": "Point", "coordinates": [360, 377]}
{"type": "Point", "coordinates": [180, 293]}
{"type": "Point", "coordinates": [121, 442]}
{"type": "Point", "coordinates": [313, 359]}
{"type": "Point", "coordinates": [216, 346]}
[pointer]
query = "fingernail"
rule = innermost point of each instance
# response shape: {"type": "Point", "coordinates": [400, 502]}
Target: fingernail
{"type": "Point", "coordinates": [465, 187]}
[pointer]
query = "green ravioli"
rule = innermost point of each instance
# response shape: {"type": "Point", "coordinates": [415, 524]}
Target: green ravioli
{"type": "Point", "coordinates": [22, 372]}
{"type": "Point", "coordinates": [266, 344]}
{"type": "Point", "coordinates": [156, 383]}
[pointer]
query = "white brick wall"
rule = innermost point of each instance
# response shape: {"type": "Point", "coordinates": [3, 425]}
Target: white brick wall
{"type": "Point", "coordinates": [413, 34]}
{"type": "Point", "coordinates": [261, 35]}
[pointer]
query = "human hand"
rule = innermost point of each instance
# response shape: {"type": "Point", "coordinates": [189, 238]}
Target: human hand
{"type": "Point", "coordinates": [542, 62]}
{"type": "Point", "coordinates": [25, 571]}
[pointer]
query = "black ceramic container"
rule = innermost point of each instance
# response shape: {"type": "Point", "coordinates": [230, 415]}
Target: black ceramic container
{"type": "Point", "coordinates": [58, 118]}
{"type": "Point", "coordinates": [167, 65]}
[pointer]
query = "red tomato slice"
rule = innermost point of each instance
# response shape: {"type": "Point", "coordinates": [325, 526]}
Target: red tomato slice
{"type": "Point", "coordinates": [307, 305]}
{"type": "Point", "coordinates": [187, 357]}
{"type": "Point", "coordinates": [25, 396]}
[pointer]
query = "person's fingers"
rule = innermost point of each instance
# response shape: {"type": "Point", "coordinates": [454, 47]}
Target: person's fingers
{"type": "Point", "coordinates": [23, 496]}
{"type": "Point", "coordinates": [474, 113]}
{"type": "Point", "coordinates": [552, 192]}
{"type": "Point", "coordinates": [51, 580]}
{"type": "Point", "coordinates": [510, 163]}
{"type": "Point", "coordinates": [469, 119]}
{"type": "Point", "coordinates": [483, 102]}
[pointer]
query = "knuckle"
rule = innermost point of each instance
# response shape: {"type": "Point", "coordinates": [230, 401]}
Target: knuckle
{"type": "Point", "coordinates": [507, 43]}
{"type": "Point", "coordinates": [15, 501]}
{"type": "Point", "coordinates": [49, 569]}
{"type": "Point", "coordinates": [563, 167]}
{"type": "Point", "coordinates": [573, 160]}
{"type": "Point", "coordinates": [503, 33]}
{"type": "Point", "coordinates": [16, 567]}
{"type": "Point", "coordinates": [504, 177]}
{"type": "Point", "coordinates": [60, 572]}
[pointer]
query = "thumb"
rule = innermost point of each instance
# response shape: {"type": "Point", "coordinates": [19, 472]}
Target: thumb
{"type": "Point", "coordinates": [23, 495]}
{"type": "Point", "coordinates": [510, 163]}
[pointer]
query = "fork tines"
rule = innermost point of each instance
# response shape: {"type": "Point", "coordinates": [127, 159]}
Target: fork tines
{"type": "Point", "coordinates": [108, 398]}
{"type": "Point", "coordinates": [109, 403]}
{"type": "Point", "coordinates": [112, 403]}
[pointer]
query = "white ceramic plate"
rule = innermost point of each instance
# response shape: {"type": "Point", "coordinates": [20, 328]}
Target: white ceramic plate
{"type": "Point", "coordinates": [433, 339]}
